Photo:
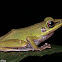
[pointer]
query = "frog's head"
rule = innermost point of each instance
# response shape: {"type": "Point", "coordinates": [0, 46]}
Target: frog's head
{"type": "Point", "coordinates": [51, 25]}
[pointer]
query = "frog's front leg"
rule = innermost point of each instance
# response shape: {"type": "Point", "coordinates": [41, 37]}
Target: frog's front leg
{"type": "Point", "coordinates": [31, 39]}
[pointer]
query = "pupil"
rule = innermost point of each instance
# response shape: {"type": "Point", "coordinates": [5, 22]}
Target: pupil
{"type": "Point", "coordinates": [51, 24]}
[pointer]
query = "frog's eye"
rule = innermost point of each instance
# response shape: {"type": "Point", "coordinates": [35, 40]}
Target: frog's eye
{"type": "Point", "coordinates": [50, 24]}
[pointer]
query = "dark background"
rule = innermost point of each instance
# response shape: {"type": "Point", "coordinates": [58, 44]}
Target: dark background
{"type": "Point", "coordinates": [14, 16]}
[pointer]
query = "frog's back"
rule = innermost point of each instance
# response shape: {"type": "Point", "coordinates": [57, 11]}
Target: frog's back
{"type": "Point", "coordinates": [22, 33]}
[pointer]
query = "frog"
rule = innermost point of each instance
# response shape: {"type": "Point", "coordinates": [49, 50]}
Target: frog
{"type": "Point", "coordinates": [28, 38]}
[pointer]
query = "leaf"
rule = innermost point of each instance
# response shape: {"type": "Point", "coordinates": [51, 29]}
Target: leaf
{"type": "Point", "coordinates": [18, 56]}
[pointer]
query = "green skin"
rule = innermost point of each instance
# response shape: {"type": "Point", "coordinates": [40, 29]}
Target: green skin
{"type": "Point", "coordinates": [26, 39]}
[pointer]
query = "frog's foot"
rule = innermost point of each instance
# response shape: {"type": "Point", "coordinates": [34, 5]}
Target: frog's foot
{"type": "Point", "coordinates": [46, 45]}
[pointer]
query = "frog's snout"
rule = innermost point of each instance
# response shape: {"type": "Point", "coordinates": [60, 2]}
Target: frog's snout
{"type": "Point", "coordinates": [58, 22]}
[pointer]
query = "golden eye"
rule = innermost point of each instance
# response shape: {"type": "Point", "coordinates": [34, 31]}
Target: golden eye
{"type": "Point", "coordinates": [50, 24]}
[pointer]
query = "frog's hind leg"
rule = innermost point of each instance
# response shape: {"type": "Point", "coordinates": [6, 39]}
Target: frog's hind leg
{"type": "Point", "coordinates": [6, 49]}
{"type": "Point", "coordinates": [20, 49]}
{"type": "Point", "coordinates": [25, 49]}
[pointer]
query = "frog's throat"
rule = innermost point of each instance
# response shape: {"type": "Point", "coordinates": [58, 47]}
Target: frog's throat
{"type": "Point", "coordinates": [43, 38]}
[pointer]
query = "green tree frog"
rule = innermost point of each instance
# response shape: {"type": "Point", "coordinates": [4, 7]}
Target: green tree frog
{"type": "Point", "coordinates": [28, 38]}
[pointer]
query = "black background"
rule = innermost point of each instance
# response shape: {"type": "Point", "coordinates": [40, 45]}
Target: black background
{"type": "Point", "coordinates": [14, 16]}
